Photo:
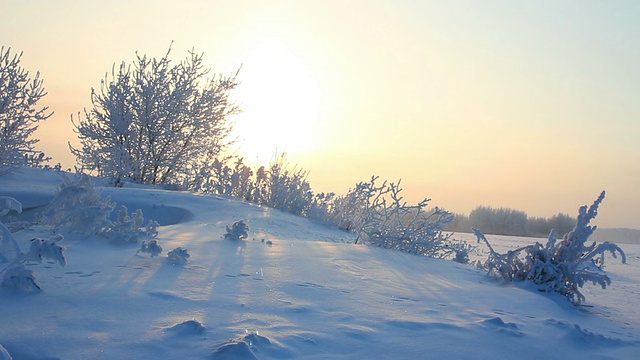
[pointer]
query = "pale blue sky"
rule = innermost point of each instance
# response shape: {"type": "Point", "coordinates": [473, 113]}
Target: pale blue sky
{"type": "Point", "coordinates": [528, 105]}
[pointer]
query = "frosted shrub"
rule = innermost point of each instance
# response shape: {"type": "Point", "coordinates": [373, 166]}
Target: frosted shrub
{"type": "Point", "coordinates": [151, 247]}
{"type": "Point", "coordinates": [128, 229]}
{"type": "Point", "coordinates": [461, 251]}
{"type": "Point", "coordinates": [562, 266]}
{"type": "Point", "coordinates": [9, 248]}
{"type": "Point", "coordinates": [220, 178]}
{"type": "Point", "coordinates": [10, 205]}
{"type": "Point", "coordinates": [285, 189]}
{"type": "Point", "coordinates": [178, 256]}
{"type": "Point", "coordinates": [46, 249]}
{"type": "Point", "coordinates": [383, 219]}
{"type": "Point", "coordinates": [17, 276]}
{"type": "Point", "coordinates": [13, 273]}
{"type": "Point", "coordinates": [321, 208]}
{"type": "Point", "coordinates": [78, 207]}
{"type": "Point", "coordinates": [377, 214]}
{"type": "Point", "coordinates": [237, 231]}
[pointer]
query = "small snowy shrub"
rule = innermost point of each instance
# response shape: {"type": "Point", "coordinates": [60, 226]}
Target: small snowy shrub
{"type": "Point", "coordinates": [13, 273]}
{"type": "Point", "coordinates": [178, 256]}
{"type": "Point", "coordinates": [562, 266]}
{"type": "Point", "coordinates": [461, 251]}
{"type": "Point", "coordinates": [321, 208]}
{"type": "Point", "coordinates": [78, 207]}
{"type": "Point", "coordinates": [18, 277]}
{"type": "Point", "coordinates": [8, 204]}
{"type": "Point", "coordinates": [382, 218]}
{"type": "Point", "coordinates": [46, 249]}
{"type": "Point", "coordinates": [151, 247]}
{"type": "Point", "coordinates": [128, 229]}
{"type": "Point", "coordinates": [286, 189]}
{"type": "Point", "coordinates": [220, 178]}
{"type": "Point", "coordinates": [9, 248]}
{"type": "Point", "coordinates": [237, 231]}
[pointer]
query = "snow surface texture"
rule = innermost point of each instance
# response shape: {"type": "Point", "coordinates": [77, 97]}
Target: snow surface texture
{"type": "Point", "coordinates": [311, 294]}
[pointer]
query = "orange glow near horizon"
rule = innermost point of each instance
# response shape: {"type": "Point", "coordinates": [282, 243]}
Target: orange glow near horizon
{"type": "Point", "coordinates": [468, 103]}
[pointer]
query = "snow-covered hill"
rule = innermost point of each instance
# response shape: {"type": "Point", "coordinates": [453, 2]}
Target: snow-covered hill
{"type": "Point", "coordinates": [293, 289]}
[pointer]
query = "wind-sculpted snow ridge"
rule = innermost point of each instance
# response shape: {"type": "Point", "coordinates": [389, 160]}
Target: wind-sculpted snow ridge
{"type": "Point", "coordinates": [312, 294]}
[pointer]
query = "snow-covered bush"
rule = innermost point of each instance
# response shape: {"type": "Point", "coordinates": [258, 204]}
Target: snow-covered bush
{"type": "Point", "coordinates": [8, 204]}
{"type": "Point", "coordinates": [151, 247]}
{"type": "Point", "coordinates": [562, 266]}
{"type": "Point", "coordinates": [220, 178]}
{"type": "Point", "coordinates": [17, 276]}
{"type": "Point", "coordinates": [156, 122]}
{"type": "Point", "coordinates": [287, 189]}
{"type": "Point", "coordinates": [381, 217]}
{"type": "Point", "coordinates": [238, 231]}
{"type": "Point", "coordinates": [128, 229]}
{"type": "Point", "coordinates": [13, 273]}
{"type": "Point", "coordinates": [461, 251]}
{"type": "Point", "coordinates": [8, 207]}
{"type": "Point", "coordinates": [178, 256]}
{"type": "Point", "coordinates": [46, 249]}
{"type": "Point", "coordinates": [78, 207]}
{"type": "Point", "coordinates": [9, 248]}
{"type": "Point", "coordinates": [375, 213]}
{"type": "Point", "coordinates": [19, 115]}
{"type": "Point", "coordinates": [321, 208]}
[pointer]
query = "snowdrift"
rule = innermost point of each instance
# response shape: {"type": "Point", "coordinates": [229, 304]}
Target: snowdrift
{"type": "Point", "coordinates": [292, 289]}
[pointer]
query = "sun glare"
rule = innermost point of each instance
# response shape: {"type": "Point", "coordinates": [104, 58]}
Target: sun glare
{"type": "Point", "coordinates": [280, 103]}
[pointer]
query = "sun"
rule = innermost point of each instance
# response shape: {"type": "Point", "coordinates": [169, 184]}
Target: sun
{"type": "Point", "coordinates": [279, 98]}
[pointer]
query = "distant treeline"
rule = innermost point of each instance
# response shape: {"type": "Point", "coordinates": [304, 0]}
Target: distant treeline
{"type": "Point", "coordinates": [504, 221]}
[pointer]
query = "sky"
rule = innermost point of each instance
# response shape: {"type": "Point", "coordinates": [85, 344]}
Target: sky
{"type": "Point", "coordinates": [526, 105]}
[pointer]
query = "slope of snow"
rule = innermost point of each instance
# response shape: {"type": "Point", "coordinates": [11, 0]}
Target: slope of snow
{"type": "Point", "coordinates": [293, 289]}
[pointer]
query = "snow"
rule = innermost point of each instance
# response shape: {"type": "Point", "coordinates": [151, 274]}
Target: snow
{"type": "Point", "coordinates": [292, 289]}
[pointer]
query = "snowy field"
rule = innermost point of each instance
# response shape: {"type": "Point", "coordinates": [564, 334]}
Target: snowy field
{"type": "Point", "coordinates": [293, 289]}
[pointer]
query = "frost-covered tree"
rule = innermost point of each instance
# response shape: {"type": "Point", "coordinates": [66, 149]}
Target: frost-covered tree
{"type": "Point", "coordinates": [19, 113]}
{"type": "Point", "coordinates": [155, 122]}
